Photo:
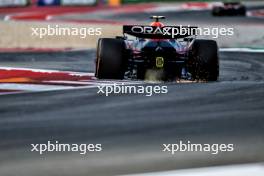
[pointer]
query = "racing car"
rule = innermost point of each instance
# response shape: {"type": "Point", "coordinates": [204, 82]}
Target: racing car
{"type": "Point", "coordinates": [229, 9]}
{"type": "Point", "coordinates": [178, 55]}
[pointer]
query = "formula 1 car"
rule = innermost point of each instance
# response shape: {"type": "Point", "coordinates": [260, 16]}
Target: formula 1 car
{"type": "Point", "coordinates": [157, 47]}
{"type": "Point", "coordinates": [229, 9]}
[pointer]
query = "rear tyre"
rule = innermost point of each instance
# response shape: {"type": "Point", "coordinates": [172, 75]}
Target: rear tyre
{"type": "Point", "coordinates": [110, 61]}
{"type": "Point", "coordinates": [204, 61]}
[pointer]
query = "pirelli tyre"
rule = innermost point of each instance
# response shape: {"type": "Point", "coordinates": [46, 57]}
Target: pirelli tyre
{"type": "Point", "coordinates": [111, 60]}
{"type": "Point", "coordinates": [204, 60]}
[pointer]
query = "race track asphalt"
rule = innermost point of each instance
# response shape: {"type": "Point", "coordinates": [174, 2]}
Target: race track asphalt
{"type": "Point", "coordinates": [132, 128]}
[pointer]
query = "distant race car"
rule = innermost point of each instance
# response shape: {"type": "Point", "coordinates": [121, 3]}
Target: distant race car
{"type": "Point", "coordinates": [157, 47]}
{"type": "Point", "coordinates": [229, 9]}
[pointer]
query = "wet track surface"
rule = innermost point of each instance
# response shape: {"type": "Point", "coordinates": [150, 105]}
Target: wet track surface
{"type": "Point", "coordinates": [132, 128]}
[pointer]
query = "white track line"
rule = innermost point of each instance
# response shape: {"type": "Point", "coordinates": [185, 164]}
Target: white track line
{"type": "Point", "coordinates": [230, 170]}
{"type": "Point", "coordinates": [94, 82]}
{"type": "Point", "coordinates": [247, 50]}
{"type": "Point", "coordinates": [31, 87]}
{"type": "Point", "coordinates": [47, 71]}
{"type": "Point", "coordinates": [52, 85]}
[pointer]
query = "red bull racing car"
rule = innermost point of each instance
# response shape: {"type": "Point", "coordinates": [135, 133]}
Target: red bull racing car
{"type": "Point", "coordinates": [173, 50]}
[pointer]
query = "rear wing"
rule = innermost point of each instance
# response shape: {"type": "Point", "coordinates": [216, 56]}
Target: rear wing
{"type": "Point", "coordinates": [166, 32]}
